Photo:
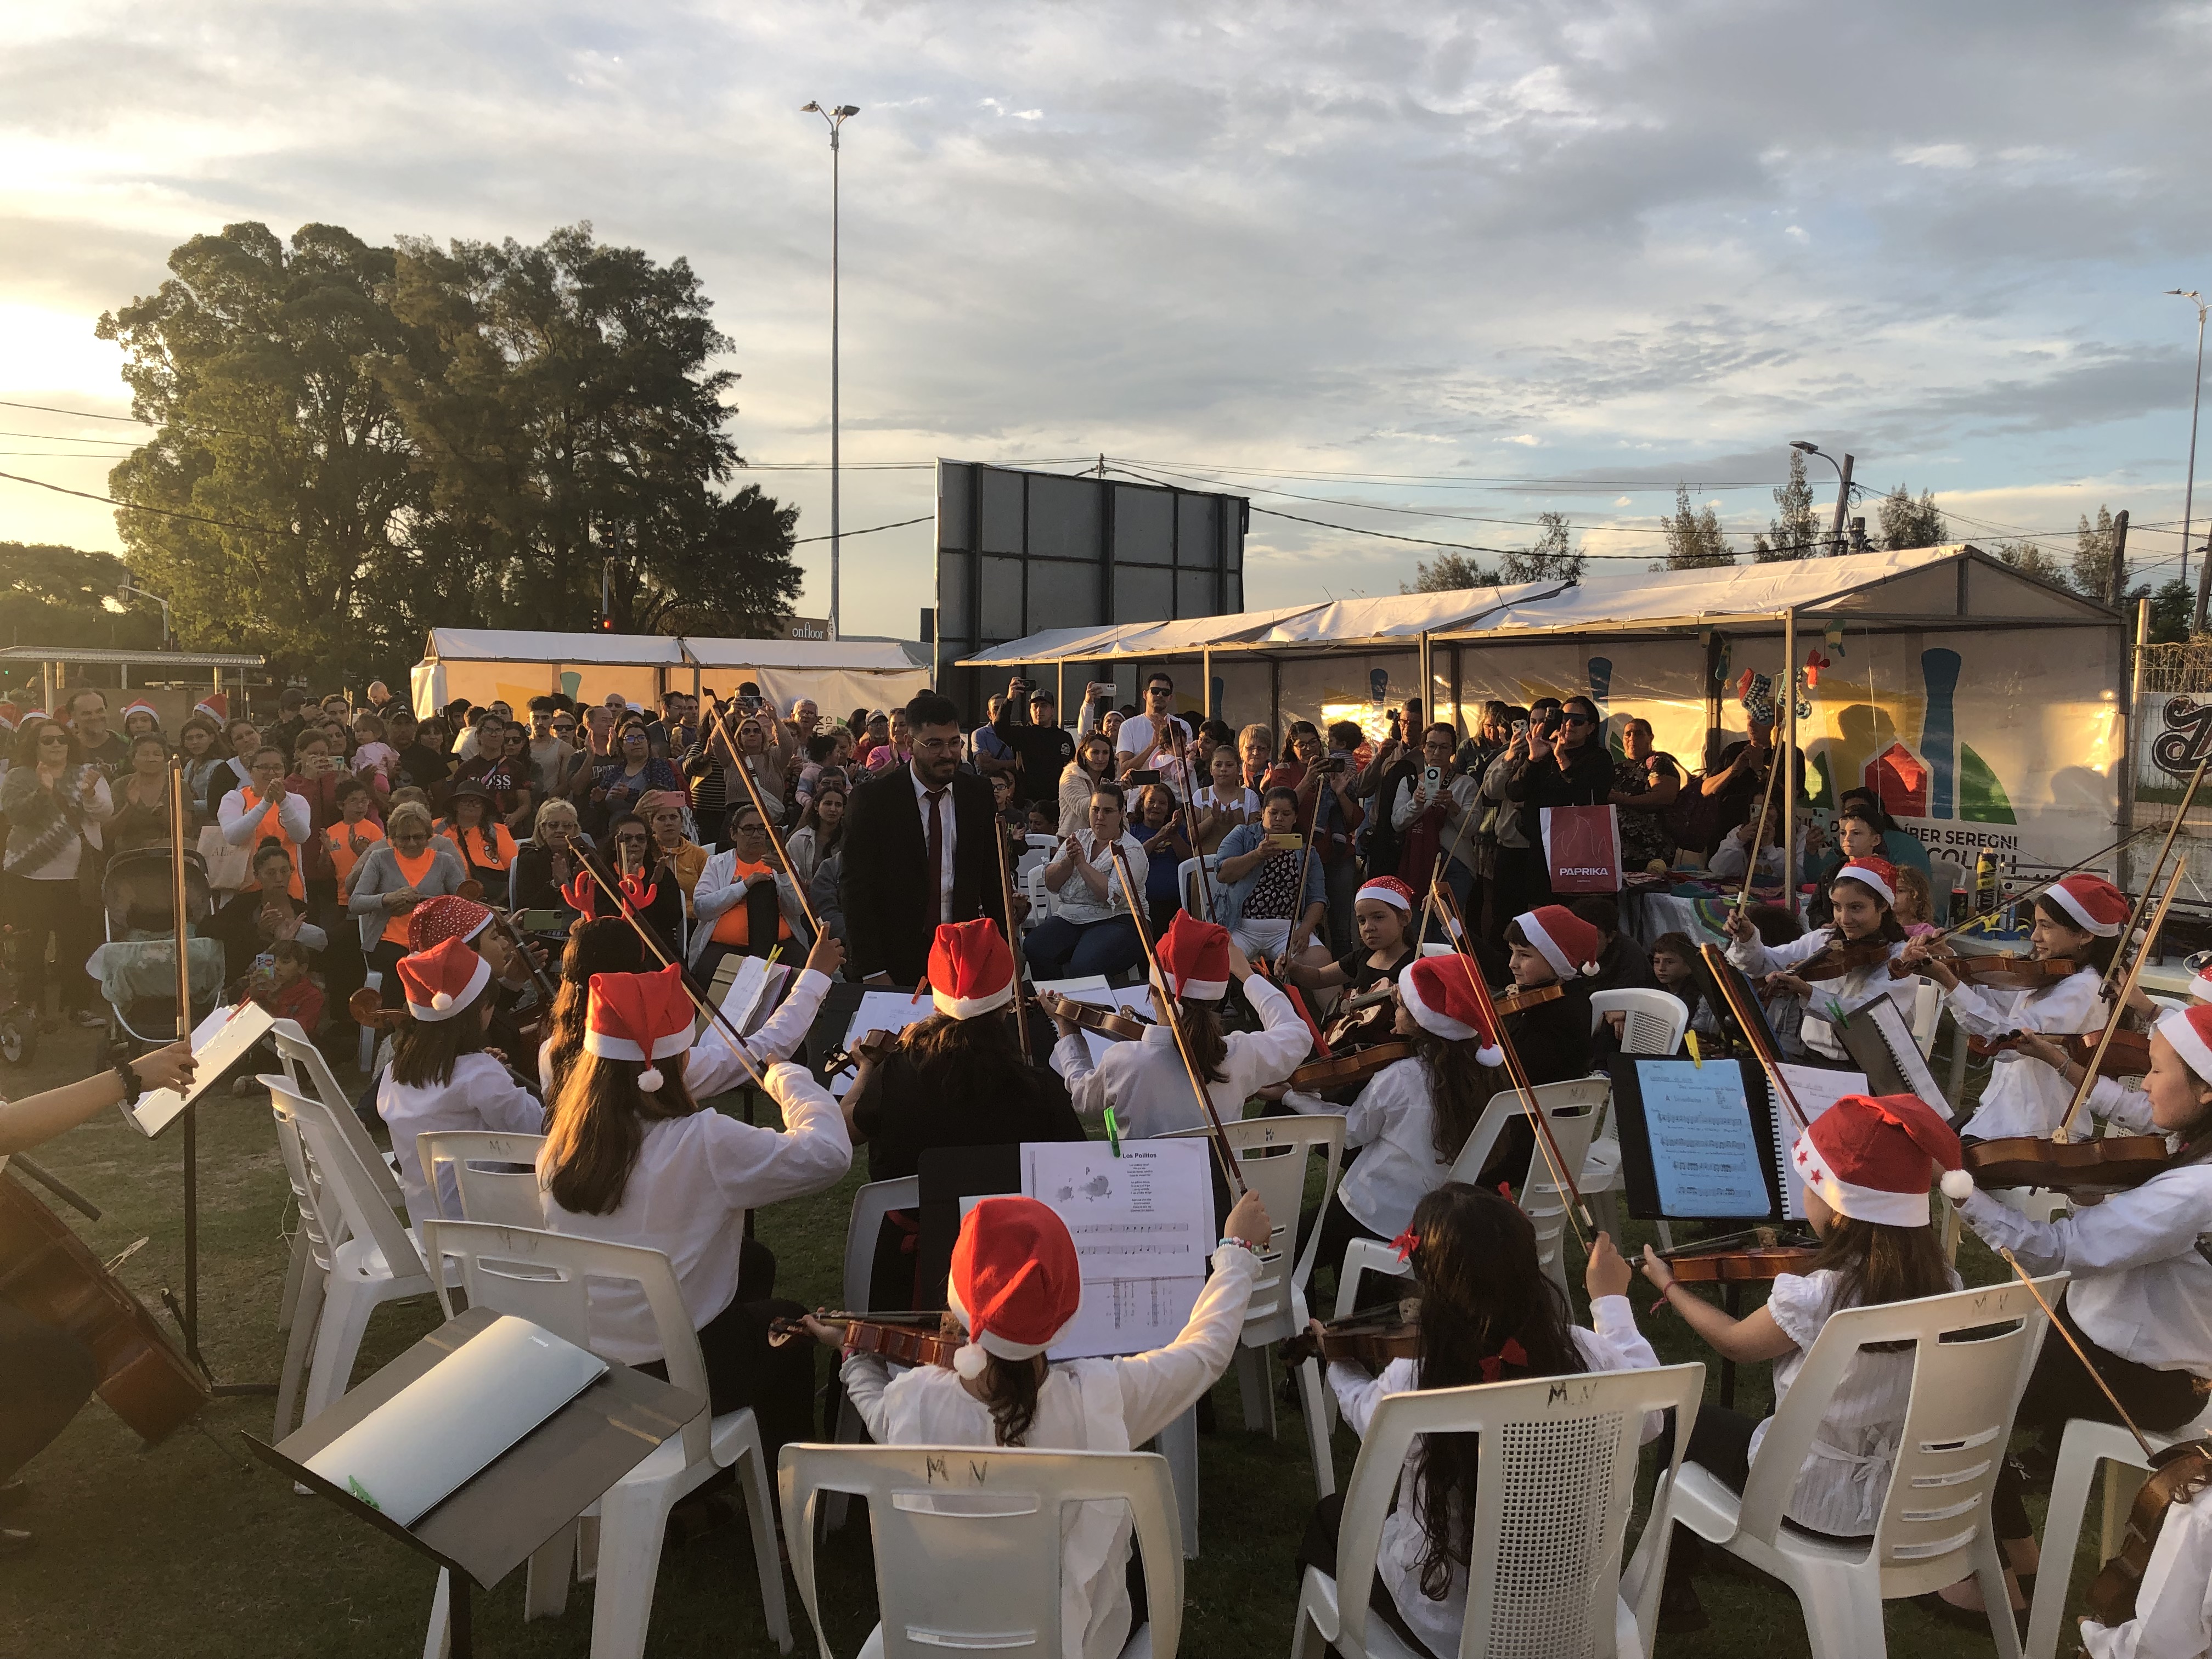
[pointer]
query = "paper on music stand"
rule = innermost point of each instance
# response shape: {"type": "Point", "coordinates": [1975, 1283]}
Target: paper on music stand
{"type": "Point", "coordinates": [755, 990]}
{"type": "Point", "coordinates": [448, 1426]}
{"type": "Point", "coordinates": [1816, 1090]}
{"type": "Point", "coordinates": [1143, 1226]}
{"type": "Point", "coordinates": [881, 1011]}
{"type": "Point", "coordinates": [1705, 1153]}
{"type": "Point", "coordinates": [219, 1041]}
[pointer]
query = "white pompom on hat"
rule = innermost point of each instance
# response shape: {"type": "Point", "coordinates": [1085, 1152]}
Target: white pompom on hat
{"type": "Point", "coordinates": [1867, 1155]}
{"type": "Point", "coordinates": [638, 1016]}
{"type": "Point", "coordinates": [444, 981]}
{"type": "Point", "coordinates": [2095, 904]}
{"type": "Point", "coordinates": [1562, 939]}
{"type": "Point", "coordinates": [1015, 1282]}
{"type": "Point", "coordinates": [1440, 995]}
{"type": "Point", "coordinates": [971, 972]}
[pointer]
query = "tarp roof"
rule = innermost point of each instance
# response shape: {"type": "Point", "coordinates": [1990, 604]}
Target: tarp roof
{"type": "Point", "coordinates": [103, 658]}
{"type": "Point", "coordinates": [662, 650]}
{"type": "Point", "coordinates": [1926, 585]}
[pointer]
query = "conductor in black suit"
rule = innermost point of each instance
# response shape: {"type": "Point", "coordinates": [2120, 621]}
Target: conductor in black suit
{"type": "Point", "coordinates": [918, 845]}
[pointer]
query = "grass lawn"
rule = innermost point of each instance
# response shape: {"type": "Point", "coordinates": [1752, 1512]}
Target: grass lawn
{"type": "Point", "coordinates": [195, 1549]}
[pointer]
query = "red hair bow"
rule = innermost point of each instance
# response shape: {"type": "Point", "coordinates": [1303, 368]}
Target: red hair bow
{"type": "Point", "coordinates": [1513, 1354]}
{"type": "Point", "coordinates": [640, 895]}
{"type": "Point", "coordinates": [581, 894]}
{"type": "Point", "coordinates": [1406, 1244]}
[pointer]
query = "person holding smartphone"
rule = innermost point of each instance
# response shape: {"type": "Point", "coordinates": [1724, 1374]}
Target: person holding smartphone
{"type": "Point", "coordinates": [1434, 812]}
{"type": "Point", "coordinates": [1261, 899]}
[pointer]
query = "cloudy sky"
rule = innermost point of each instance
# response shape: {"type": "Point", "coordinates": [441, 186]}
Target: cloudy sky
{"type": "Point", "coordinates": [1440, 267]}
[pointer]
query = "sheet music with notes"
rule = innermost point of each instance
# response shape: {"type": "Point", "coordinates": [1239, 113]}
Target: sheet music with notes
{"type": "Point", "coordinates": [881, 1011]}
{"type": "Point", "coordinates": [1816, 1090]}
{"type": "Point", "coordinates": [1143, 1226]}
{"type": "Point", "coordinates": [219, 1041]}
{"type": "Point", "coordinates": [1705, 1158]}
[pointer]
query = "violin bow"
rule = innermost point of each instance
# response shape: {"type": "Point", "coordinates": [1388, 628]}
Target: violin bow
{"type": "Point", "coordinates": [1305, 852]}
{"type": "Point", "coordinates": [1447, 905]}
{"type": "Point", "coordinates": [177, 895]}
{"type": "Point", "coordinates": [651, 941]}
{"type": "Point", "coordinates": [2095, 1375]}
{"type": "Point", "coordinates": [1216, 1133]}
{"type": "Point", "coordinates": [2059, 1136]}
{"type": "Point", "coordinates": [1013, 938]}
{"type": "Point", "coordinates": [1759, 832]}
{"type": "Point", "coordinates": [1720, 971]}
{"type": "Point", "coordinates": [774, 841]}
{"type": "Point", "coordinates": [2157, 868]}
{"type": "Point", "coordinates": [2049, 882]}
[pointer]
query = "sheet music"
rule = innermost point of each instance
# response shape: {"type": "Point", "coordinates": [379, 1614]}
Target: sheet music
{"type": "Point", "coordinates": [1816, 1090]}
{"type": "Point", "coordinates": [881, 1011]}
{"type": "Point", "coordinates": [1705, 1153]}
{"type": "Point", "coordinates": [755, 990]}
{"type": "Point", "coordinates": [1893, 1044]}
{"type": "Point", "coordinates": [1093, 990]}
{"type": "Point", "coordinates": [219, 1041]}
{"type": "Point", "coordinates": [1143, 1226]}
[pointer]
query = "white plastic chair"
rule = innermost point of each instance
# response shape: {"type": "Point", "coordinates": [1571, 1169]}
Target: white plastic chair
{"type": "Point", "coordinates": [2084, 1446]}
{"type": "Point", "coordinates": [1274, 1154]}
{"type": "Point", "coordinates": [542, 1277]}
{"type": "Point", "coordinates": [967, 1541]}
{"type": "Point", "coordinates": [1934, 1526]}
{"type": "Point", "coordinates": [870, 1205]}
{"type": "Point", "coordinates": [373, 1257]}
{"type": "Point", "coordinates": [1927, 1014]}
{"type": "Point", "coordinates": [1572, 1109]}
{"type": "Point", "coordinates": [1557, 1478]}
{"type": "Point", "coordinates": [1654, 1019]}
{"type": "Point", "coordinates": [1193, 898]}
{"type": "Point", "coordinates": [305, 1279]}
{"type": "Point", "coordinates": [506, 1197]}
{"type": "Point", "coordinates": [309, 1072]}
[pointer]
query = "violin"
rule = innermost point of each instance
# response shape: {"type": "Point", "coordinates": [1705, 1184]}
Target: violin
{"type": "Point", "coordinates": [1844, 956]}
{"type": "Point", "coordinates": [1763, 1253]}
{"type": "Point", "coordinates": [2001, 971]}
{"type": "Point", "coordinates": [1362, 1020]}
{"type": "Point", "coordinates": [2128, 1053]}
{"type": "Point", "coordinates": [903, 1345]}
{"type": "Point", "coordinates": [1373, 1338]}
{"type": "Point", "coordinates": [2108, 1164]}
{"type": "Point", "coordinates": [2179, 1473]}
{"type": "Point", "coordinates": [1116, 1023]}
{"type": "Point", "coordinates": [870, 1046]}
{"type": "Point", "coordinates": [1514, 1002]}
{"type": "Point", "coordinates": [1345, 1071]}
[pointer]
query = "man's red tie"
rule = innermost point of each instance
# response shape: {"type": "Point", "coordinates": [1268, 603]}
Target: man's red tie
{"type": "Point", "coordinates": [936, 797]}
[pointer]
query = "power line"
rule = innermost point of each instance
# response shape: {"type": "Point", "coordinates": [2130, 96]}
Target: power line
{"type": "Point", "coordinates": [870, 531]}
{"type": "Point", "coordinates": [82, 414]}
{"type": "Point", "coordinates": [164, 511]}
{"type": "Point", "coordinates": [58, 438]}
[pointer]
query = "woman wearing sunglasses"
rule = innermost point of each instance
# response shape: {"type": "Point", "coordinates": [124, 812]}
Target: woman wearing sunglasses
{"type": "Point", "coordinates": [1569, 765]}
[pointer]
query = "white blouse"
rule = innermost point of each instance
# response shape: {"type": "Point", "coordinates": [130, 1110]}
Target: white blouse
{"type": "Point", "coordinates": [479, 1095]}
{"type": "Point", "coordinates": [1144, 1081]}
{"type": "Point", "coordinates": [1076, 901]}
{"type": "Point", "coordinates": [1614, 1345]}
{"type": "Point", "coordinates": [1395, 1122]}
{"type": "Point", "coordinates": [2024, 1096]}
{"type": "Point", "coordinates": [1084, 1404]}
{"type": "Point", "coordinates": [1848, 992]}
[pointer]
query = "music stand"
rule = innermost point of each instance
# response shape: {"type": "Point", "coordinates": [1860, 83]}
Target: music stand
{"type": "Point", "coordinates": [498, 1520]}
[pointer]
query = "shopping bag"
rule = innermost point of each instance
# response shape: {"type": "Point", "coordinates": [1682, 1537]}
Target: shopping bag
{"type": "Point", "coordinates": [228, 867]}
{"type": "Point", "coordinates": [1582, 848]}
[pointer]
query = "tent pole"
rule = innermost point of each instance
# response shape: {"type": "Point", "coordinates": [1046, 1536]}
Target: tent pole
{"type": "Point", "coordinates": [1428, 682]}
{"type": "Point", "coordinates": [1206, 683]}
{"type": "Point", "coordinates": [1787, 760]}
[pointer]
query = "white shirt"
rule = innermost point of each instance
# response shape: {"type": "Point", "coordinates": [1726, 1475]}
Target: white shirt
{"type": "Point", "coordinates": [1394, 1121]}
{"type": "Point", "coordinates": [709, 1066]}
{"type": "Point", "coordinates": [240, 826]}
{"type": "Point", "coordinates": [1083, 1405]}
{"type": "Point", "coordinates": [1850, 991]}
{"type": "Point", "coordinates": [2173, 1604]}
{"type": "Point", "coordinates": [480, 1095]}
{"type": "Point", "coordinates": [1145, 1083]}
{"type": "Point", "coordinates": [1137, 731]}
{"type": "Point", "coordinates": [1614, 1346]}
{"type": "Point", "coordinates": [1839, 1489]}
{"type": "Point", "coordinates": [952, 834]}
{"type": "Point", "coordinates": [1078, 903]}
{"type": "Point", "coordinates": [1727, 862]}
{"type": "Point", "coordinates": [2024, 1096]}
{"type": "Point", "coordinates": [2141, 1286]}
{"type": "Point", "coordinates": [687, 1196]}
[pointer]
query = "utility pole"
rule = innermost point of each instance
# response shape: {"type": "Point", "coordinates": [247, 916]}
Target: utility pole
{"type": "Point", "coordinates": [1843, 506]}
{"type": "Point", "coordinates": [836, 117]}
{"type": "Point", "coordinates": [2119, 576]}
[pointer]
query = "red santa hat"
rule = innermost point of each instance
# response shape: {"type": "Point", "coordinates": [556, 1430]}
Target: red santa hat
{"type": "Point", "coordinates": [1868, 1157]}
{"type": "Point", "coordinates": [435, 920]}
{"type": "Point", "coordinates": [443, 981]}
{"type": "Point", "coordinates": [1015, 1283]}
{"type": "Point", "coordinates": [638, 1016]}
{"type": "Point", "coordinates": [2189, 1031]}
{"type": "Point", "coordinates": [142, 708]}
{"type": "Point", "coordinates": [1562, 939]}
{"type": "Point", "coordinates": [2095, 904]}
{"type": "Point", "coordinates": [1879, 874]}
{"type": "Point", "coordinates": [1441, 997]}
{"type": "Point", "coordinates": [215, 704]}
{"type": "Point", "coordinates": [971, 972]}
{"type": "Point", "coordinates": [1389, 890]}
{"type": "Point", "coordinates": [1194, 958]}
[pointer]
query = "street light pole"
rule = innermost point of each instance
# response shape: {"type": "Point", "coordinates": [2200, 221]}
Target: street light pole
{"type": "Point", "coordinates": [836, 117]}
{"type": "Point", "coordinates": [1842, 489]}
{"type": "Point", "coordinates": [2189, 490]}
{"type": "Point", "coordinates": [168, 635]}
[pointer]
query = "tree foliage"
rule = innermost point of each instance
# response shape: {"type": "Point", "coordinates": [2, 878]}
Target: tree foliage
{"type": "Point", "coordinates": [1795, 533]}
{"type": "Point", "coordinates": [2030, 560]}
{"type": "Point", "coordinates": [52, 595]}
{"type": "Point", "coordinates": [390, 438]}
{"type": "Point", "coordinates": [1694, 539]}
{"type": "Point", "coordinates": [2093, 557]}
{"type": "Point", "coordinates": [1910, 522]}
{"type": "Point", "coordinates": [1551, 557]}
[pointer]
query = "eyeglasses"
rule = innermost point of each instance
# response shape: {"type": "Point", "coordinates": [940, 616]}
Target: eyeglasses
{"type": "Point", "coordinates": [56, 739]}
{"type": "Point", "coordinates": [936, 745]}
{"type": "Point", "coordinates": [752, 829]}
{"type": "Point", "coordinates": [631, 835]}
{"type": "Point", "coordinates": [1574, 719]}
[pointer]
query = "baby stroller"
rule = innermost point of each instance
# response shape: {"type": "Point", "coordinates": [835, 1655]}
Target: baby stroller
{"type": "Point", "coordinates": [137, 967]}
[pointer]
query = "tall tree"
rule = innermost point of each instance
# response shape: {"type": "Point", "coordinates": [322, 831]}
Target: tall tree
{"type": "Point", "coordinates": [2031, 560]}
{"type": "Point", "coordinates": [2093, 557]}
{"type": "Point", "coordinates": [1551, 558]}
{"type": "Point", "coordinates": [1448, 572]}
{"type": "Point", "coordinates": [1906, 522]}
{"type": "Point", "coordinates": [52, 595]}
{"type": "Point", "coordinates": [1795, 533]}
{"type": "Point", "coordinates": [1694, 539]}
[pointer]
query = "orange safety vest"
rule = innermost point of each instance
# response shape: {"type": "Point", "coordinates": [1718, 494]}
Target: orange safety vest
{"type": "Point", "coordinates": [340, 842]}
{"type": "Point", "coordinates": [271, 830]}
{"type": "Point", "coordinates": [493, 852]}
{"type": "Point", "coordinates": [734, 925]}
{"type": "Point", "coordinates": [414, 869]}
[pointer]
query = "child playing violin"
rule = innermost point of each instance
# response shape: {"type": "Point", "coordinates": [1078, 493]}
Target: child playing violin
{"type": "Point", "coordinates": [1551, 945]}
{"type": "Point", "coordinates": [631, 1156]}
{"type": "Point", "coordinates": [1382, 912]}
{"type": "Point", "coordinates": [1865, 934]}
{"type": "Point", "coordinates": [2078, 919]}
{"type": "Point", "coordinates": [1413, 1117]}
{"type": "Point", "coordinates": [2140, 1301]}
{"type": "Point", "coordinates": [1489, 1314]}
{"type": "Point", "coordinates": [1014, 1289]}
{"type": "Point", "coordinates": [1864, 1165]}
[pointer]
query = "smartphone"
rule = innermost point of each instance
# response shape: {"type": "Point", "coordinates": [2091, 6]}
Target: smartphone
{"type": "Point", "coordinates": [1519, 728]}
{"type": "Point", "coordinates": [1287, 840]}
{"type": "Point", "coordinates": [541, 921]}
{"type": "Point", "coordinates": [264, 964]}
{"type": "Point", "coordinates": [1432, 778]}
{"type": "Point", "coordinates": [1143, 776]}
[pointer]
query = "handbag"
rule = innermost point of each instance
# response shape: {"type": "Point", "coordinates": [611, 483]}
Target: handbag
{"type": "Point", "coordinates": [228, 867]}
{"type": "Point", "coordinates": [1582, 848]}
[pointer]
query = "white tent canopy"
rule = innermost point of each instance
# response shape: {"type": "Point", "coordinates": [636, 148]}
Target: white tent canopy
{"type": "Point", "coordinates": [514, 665]}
